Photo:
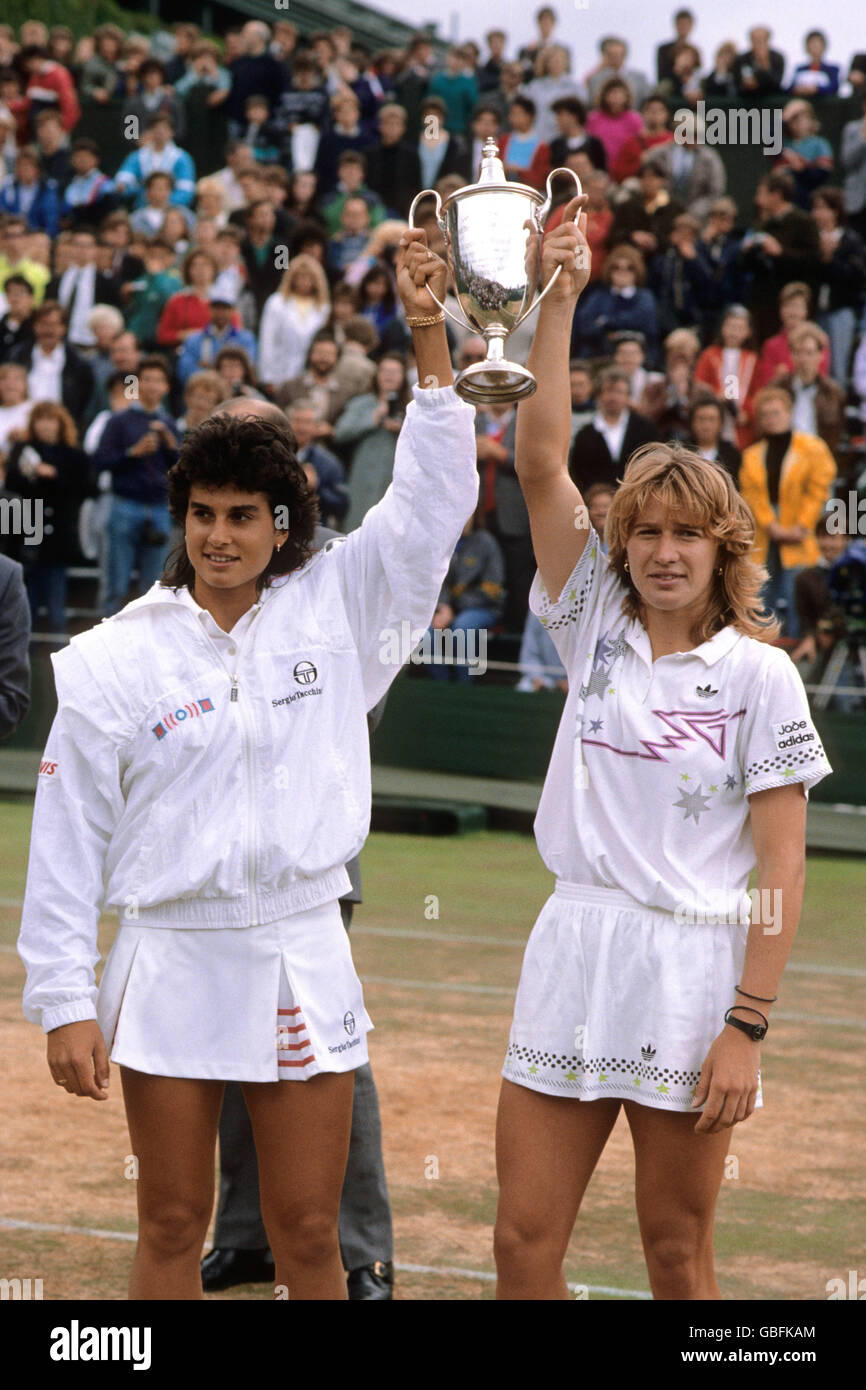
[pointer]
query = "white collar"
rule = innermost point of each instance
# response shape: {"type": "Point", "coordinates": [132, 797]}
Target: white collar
{"type": "Point", "coordinates": [708, 652]}
{"type": "Point", "coordinates": [55, 357]}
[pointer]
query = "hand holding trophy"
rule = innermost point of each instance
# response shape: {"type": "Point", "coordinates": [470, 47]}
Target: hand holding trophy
{"type": "Point", "coordinates": [422, 277]}
{"type": "Point", "coordinates": [493, 231]}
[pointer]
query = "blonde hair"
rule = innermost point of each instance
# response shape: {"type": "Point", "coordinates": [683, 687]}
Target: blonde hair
{"type": "Point", "coordinates": [321, 294]}
{"type": "Point", "coordinates": [105, 314]}
{"type": "Point", "coordinates": [683, 482]}
{"type": "Point", "coordinates": [209, 184]}
{"type": "Point", "coordinates": [808, 330]}
{"type": "Point", "coordinates": [684, 342]}
{"type": "Point", "coordinates": [387, 234]}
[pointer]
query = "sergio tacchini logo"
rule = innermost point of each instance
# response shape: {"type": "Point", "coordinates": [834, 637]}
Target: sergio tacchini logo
{"type": "Point", "coordinates": [305, 673]}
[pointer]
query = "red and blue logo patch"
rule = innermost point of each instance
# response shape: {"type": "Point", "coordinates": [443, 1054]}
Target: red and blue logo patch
{"type": "Point", "coordinates": [174, 719]}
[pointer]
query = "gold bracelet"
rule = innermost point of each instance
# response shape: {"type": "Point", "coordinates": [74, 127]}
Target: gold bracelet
{"type": "Point", "coordinates": [425, 320]}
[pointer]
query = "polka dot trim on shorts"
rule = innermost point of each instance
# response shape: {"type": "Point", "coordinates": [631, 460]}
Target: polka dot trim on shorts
{"type": "Point", "coordinates": [554, 1070]}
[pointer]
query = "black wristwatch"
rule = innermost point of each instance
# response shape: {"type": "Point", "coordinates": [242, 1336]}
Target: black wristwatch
{"type": "Point", "coordinates": [755, 1031]}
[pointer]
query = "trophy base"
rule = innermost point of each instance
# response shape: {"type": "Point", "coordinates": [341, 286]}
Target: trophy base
{"type": "Point", "coordinates": [489, 383]}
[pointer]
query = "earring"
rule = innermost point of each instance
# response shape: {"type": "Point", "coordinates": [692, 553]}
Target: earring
{"type": "Point", "coordinates": [625, 566]}
{"type": "Point", "coordinates": [720, 570]}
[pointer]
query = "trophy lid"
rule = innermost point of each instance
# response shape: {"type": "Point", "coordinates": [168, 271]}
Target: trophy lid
{"type": "Point", "coordinates": [492, 168]}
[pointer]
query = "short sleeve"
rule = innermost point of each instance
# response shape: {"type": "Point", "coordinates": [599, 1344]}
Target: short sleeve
{"type": "Point", "coordinates": [779, 742]}
{"type": "Point", "coordinates": [591, 584]}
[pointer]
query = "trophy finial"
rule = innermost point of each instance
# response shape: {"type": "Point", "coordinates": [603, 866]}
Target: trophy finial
{"type": "Point", "coordinates": [492, 169]}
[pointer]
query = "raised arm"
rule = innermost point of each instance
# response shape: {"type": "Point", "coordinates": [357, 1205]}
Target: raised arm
{"type": "Point", "coordinates": [391, 568]}
{"type": "Point", "coordinates": [557, 516]}
{"type": "Point", "coordinates": [416, 267]}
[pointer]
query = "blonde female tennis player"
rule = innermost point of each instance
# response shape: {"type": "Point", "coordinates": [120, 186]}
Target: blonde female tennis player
{"type": "Point", "coordinates": [682, 760]}
{"type": "Point", "coordinates": [207, 776]}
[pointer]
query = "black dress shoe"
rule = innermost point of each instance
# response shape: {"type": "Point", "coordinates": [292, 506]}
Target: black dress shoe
{"type": "Point", "coordinates": [222, 1269]}
{"type": "Point", "coordinates": [375, 1281]}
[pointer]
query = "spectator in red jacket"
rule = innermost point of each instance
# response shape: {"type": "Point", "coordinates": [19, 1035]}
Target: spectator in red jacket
{"type": "Point", "coordinates": [795, 307]}
{"type": "Point", "coordinates": [49, 87]}
{"type": "Point", "coordinates": [189, 310]}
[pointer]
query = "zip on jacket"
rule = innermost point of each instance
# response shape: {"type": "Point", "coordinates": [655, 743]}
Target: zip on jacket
{"type": "Point", "coordinates": [180, 794]}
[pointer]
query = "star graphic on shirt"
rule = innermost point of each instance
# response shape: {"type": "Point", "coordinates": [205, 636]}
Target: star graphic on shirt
{"type": "Point", "coordinates": [571, 1076]}
{"type": "Point", "coordinates": [595, 725]}
{"type": "Point", "coordinates": [596, 685]}
{"type": "Point", "coordinates": [690, 803]}
{"type": "Point", "coordinates": [533, 1069]}
{"type": "Point", "coordinates": [602, 651]}
{"type": "Point", "coordinates": [789, 772]}
{"type": "Point", "coordinates": [685, 777]}
{"type": "Point", "coordinates": [611, 691]}
{"type": "Point", "coordinates": [636, 1080]}
{"type": "Point", "coordinates": [713, 787]}
{"type": "Point", "coordinates": [602, 1076]}
{"type": "Point", "coordinates": [730, 782]}
{"type": "Point", "coordinates": [665, 1090]}
{"type": "Point", "coordinates": [618, 647]}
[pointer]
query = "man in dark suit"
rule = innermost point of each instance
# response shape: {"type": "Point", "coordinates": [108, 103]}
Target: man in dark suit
{"type": "Point", "coordinates": [785, 247]}
{"type": "Point", "coordinates": [56, 372]}
{"type": "Point", "coordinates": [80, 287]}
{"type": "Point", "coordinates": [393, 167]}
{"type": "Point", "coordinates": [602, 448]}
{"type": "Point", "coordinates": [706, 420]}
{"type": "Point", "coordinates": [14, 640]}
{"type": "Point", "coordinates": [505, 511]}
{"type": "Point", "coordinates": [684, 22]}
{"type": "Point", "coordinates": [16, 325]}
{"type": "Point", "coordinates": [760, 72]}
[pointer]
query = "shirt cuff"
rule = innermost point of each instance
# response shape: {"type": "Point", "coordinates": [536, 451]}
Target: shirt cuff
{"type": "Point", "coordinates": [77, 1011]}
{"type": "Point", "coordinates": [434, 397]}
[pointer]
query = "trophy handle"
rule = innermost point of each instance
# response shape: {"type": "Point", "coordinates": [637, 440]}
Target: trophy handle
{"type": "Point", "coordinates": [540, 214]}
{"type": "Point", "coordinates": [431, 193]}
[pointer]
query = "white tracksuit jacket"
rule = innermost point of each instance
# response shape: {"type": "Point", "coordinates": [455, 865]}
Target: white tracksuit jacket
{"type": "Point", "coordinates": [173, 794]}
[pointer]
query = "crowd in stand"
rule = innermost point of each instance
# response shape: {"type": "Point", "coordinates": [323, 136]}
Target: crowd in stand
{"type": "Point", "coordinates": [136, 294]}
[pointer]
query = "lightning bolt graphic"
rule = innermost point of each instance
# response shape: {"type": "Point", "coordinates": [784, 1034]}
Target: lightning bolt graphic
{"type": "Point", "coordinates": [709, 725]}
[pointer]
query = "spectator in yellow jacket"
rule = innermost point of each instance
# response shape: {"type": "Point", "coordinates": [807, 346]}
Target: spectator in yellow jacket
{"type": "Point", "coordinates": [786, 479]}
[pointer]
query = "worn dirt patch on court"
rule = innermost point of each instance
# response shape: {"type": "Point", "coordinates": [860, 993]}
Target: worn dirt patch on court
{"type": "Point", "coordinates": [437, 1057]}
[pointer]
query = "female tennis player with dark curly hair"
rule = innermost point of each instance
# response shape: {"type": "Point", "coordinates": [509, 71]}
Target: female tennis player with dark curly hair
{"type": "Point", "coordinates": [207, 776]}
{"type": "Point", "coordinates": [681, 762]}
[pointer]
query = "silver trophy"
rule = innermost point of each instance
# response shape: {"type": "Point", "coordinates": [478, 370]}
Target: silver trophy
{"type": "Point", "coordinates": [493, 232]}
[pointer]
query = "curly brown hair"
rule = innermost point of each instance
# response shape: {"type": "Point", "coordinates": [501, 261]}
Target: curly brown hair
{"type": "Point", "coordinates": [252, 455]}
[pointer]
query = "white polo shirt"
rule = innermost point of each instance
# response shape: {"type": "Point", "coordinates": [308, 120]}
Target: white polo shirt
{"type": "Point", "coordinates": [654, 761]}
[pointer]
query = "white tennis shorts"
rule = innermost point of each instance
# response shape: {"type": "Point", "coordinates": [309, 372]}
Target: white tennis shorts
{"type": "Point", "coordinates": [277, 1002]}
{"type": "Point", "coordinates": [620, 1000]}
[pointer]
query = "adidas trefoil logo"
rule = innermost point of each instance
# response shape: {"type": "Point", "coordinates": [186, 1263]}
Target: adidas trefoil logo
{"type": "Point", "coordinates": [706, 692]}
{"type": "Point", "coordinates": [648, 1052]}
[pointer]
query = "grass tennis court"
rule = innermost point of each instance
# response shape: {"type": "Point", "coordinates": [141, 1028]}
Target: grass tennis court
{"type": "Point", "coordinates": [440, 989]}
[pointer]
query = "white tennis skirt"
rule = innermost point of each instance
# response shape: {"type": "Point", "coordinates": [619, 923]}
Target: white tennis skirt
{"type": "Point", "coordinates": [277, 1002]}
{"type": "Point", "coordinates": [620, 1000]}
